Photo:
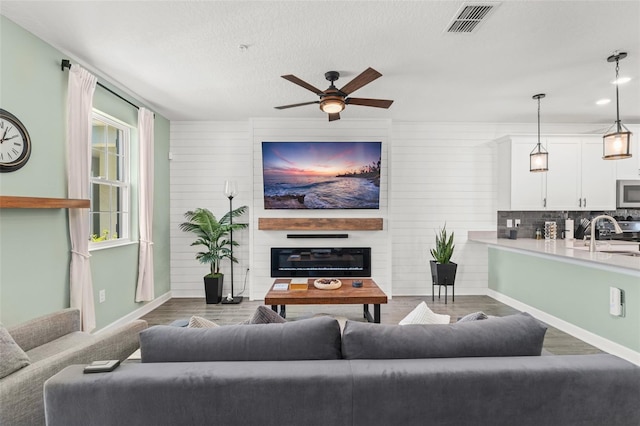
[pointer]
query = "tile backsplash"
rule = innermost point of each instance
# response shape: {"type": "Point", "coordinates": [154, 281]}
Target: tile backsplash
{"type": "Point", "coordinates": [530, 221]}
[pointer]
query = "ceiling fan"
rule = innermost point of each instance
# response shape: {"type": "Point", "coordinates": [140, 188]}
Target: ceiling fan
{"type": "Point", "coordinates": [333, 100]}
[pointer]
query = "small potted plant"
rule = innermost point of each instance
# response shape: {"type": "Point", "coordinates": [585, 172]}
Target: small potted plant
{"type": "Point", "coordinates": [443, 271]}
{"type": "Point", "coordinates": [213, 235]}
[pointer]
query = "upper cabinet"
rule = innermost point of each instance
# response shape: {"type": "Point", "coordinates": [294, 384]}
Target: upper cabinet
{"type": "Point", "coordinates": [578, 178]}
{"type": "Point", "coordinates": [629, 168]}
{"type": "Point", "coordinates": [518, 188]}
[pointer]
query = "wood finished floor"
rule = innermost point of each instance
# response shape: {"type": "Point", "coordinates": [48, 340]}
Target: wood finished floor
{"type": "Point", "coordinates": [556, 341]}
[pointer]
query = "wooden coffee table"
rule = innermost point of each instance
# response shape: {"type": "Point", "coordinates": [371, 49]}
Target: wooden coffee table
{"type": "Point", "coordinates": [368, 294]}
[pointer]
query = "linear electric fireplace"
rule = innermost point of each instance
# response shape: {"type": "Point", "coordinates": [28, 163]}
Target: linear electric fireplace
{"type": "Point", "coordinates": [321, 262]}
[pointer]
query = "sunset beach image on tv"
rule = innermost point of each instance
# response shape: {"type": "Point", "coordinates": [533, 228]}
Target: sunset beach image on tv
{"type": "Point", "coordinates": [321, 175]}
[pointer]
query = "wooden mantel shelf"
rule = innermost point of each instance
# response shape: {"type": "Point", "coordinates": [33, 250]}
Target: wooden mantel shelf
{"type": "Point", "coordinates": [15, 202]}
{"type": "Point", "coordinates": [319, 224]}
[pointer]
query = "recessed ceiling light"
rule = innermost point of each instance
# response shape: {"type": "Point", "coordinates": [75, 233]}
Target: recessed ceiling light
{"type": "Point", "coordinates": [603, 101]}
{"type": "Point", "coordinates": [621, 80]}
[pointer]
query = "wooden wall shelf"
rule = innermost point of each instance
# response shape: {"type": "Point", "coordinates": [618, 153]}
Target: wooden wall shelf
{"type": "Point", "coordinates": [319, 224]}
{"type": "Point", "coordinates": [15, 202]}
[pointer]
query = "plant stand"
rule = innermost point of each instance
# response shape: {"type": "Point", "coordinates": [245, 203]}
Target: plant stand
{"type": "Point", "coordinates": [443, 275]}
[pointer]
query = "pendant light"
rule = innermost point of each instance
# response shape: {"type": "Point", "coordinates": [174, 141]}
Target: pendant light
{"type": "Point", "coordinates": [616, 145]}
{"type": "Point", "coordinates": [539, 157]}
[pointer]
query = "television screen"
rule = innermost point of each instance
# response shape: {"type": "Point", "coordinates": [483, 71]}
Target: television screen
{"type": "Point", "coordinates": [321, 175]}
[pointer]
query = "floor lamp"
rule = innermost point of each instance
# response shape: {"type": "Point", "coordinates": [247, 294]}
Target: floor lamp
{"type": "Point", "coordinates": [231, 190]}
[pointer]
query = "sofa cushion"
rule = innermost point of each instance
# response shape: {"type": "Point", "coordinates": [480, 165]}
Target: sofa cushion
{"type": "Point", "coordinates": [265, 315]}
{"type": "Point", "coordinates": [315, 338]}
{"type": "Point", "coordinates": [13, 357]}
{"type": "Point", "coordinates": [423, 315]}
{"type": "Point", "coordinates": [200, 322]}
{"type": "Point", "coordinates": [474, 316]}
{"type": "Point", "coordinates": [61, 344]}
{"type": "Point", "coordinates": [514, 335]}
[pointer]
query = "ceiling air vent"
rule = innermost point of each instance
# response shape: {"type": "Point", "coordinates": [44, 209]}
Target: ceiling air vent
{"type": "Point", "coordinates": [469, 17]}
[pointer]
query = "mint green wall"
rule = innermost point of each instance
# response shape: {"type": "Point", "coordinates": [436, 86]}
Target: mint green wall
{"type": "Point", "coordinates": [574, 293]}
{"type": "Point", "coordinates": [34, 244]}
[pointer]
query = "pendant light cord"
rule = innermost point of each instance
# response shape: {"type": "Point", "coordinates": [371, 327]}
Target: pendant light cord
{"type": "Point", "coordinates": [617, 98]}
{"type": "Point", "coordinates": [538, 124]}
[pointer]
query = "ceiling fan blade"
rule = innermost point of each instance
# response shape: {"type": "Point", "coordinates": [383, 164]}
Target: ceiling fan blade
{"type": "Point", "coordinates": [366, 77]}
{"type": "Point", "coordinates": [378, 103]}
{"type": "Point", "coordinates": [334, 116]}
{"type": "Point", "coordinates": [296, 105]}
{"type": "Point", "coordinates": [302, 83]}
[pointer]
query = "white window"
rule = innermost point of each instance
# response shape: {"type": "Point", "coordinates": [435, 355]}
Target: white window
{"type": "Point", "coordinates": [110, 185]}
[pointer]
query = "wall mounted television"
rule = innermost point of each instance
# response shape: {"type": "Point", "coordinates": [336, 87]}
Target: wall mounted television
{"type": "Point", "coordinates": [321, 175]}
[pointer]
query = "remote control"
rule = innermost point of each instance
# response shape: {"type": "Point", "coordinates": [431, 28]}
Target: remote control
{"type": "Point", "coordinates": [102, 366]}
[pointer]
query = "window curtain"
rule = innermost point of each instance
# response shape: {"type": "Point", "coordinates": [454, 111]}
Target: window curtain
{"type": "Point", "coordinates": [82, 85]}
{"type": "Point", "coordinates": [145, 290]}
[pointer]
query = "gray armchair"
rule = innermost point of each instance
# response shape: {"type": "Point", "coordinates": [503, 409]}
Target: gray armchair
{"type": "Point", "coordinates": [53, 342]}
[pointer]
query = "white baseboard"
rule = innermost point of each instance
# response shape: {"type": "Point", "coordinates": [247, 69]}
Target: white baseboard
{"type": "Point", "coordinates": [575, 331]}
{"type": "Point", "coordinates": [138, 313]}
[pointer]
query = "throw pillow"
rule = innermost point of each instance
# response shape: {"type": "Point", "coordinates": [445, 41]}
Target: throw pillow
{"type": "Point", "coordinates": [513, 335]}
{"type": "Point", "coordinates": [13, 357]}
{"type": "Point", "coordinates": [311, 339]}
{"type": "Point", "coordinates": [475, 316]}
{"type": "Point", "coordinates": [199, 322]}
{"type": "Point", "coordinates": [423, 315]}
{"type": "Point", "coordinates": [265, 315]}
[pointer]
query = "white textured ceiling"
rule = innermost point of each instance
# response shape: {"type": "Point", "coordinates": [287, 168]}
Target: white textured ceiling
{"type": "Point", "coordinates": [183, 58]}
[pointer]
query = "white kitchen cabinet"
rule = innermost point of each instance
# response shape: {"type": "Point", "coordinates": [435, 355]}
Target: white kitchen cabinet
{"type": "Point", "coordinates": [518, 188]}
{"type": "Point", "coordinates": [563, 178]}
{"type": "Point", "coordinates": [578, 178]}
{"type": "Point", "coordinates": [629, 168]}
{"type": "Point", "coordinates": [598, 177]}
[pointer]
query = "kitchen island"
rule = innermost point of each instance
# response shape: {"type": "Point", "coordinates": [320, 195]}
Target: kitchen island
{"type": "Point", "coordinates": [568, 287]}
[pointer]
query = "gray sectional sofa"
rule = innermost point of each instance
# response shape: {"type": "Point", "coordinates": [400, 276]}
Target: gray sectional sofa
{"type": "Point", "coordinates": [305, 372]}
{"type": "Point", "coordinates": [42, 347]}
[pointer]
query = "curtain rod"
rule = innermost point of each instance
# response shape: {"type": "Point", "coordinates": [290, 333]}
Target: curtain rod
{"type": "Point", "coordinates": [67, 64]}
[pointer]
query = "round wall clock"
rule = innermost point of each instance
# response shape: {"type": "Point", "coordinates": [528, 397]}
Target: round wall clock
{"type": "Point", "coordinates": [15, 144]}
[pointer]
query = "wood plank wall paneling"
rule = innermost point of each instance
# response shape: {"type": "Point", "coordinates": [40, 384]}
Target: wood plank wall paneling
{"type": "Point", "coordinates": [441, 174]}
{"type": "Point", "coordinates": [319, 224]}
{"type": "Point", "coordinates": [205, 154]}
{"type": "Point", "coordinates": [433, 173]}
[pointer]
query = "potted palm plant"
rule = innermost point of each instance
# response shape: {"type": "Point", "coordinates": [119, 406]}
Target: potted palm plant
{"type": "Point", "coordinates": [214, 236]}
{"type": "Point", "coordinates": [443, 271]}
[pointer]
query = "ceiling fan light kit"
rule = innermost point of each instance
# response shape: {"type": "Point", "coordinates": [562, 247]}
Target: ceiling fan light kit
{"type": "Point", "coordinates": [539, 157]}
{"type": "Point", "coordinates": [617, 145]}
{"type": "Point", "coordinates": [333, 100]}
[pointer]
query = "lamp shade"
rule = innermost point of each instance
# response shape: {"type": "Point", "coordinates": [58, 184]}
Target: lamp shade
{"type": "Point", "coordinates": [539, 161]}
{"type": "Point", "coordinates": [230, 188]}
{"type": "Point", "coordinates": [616, 146]}
{"type": "Point", "coordinates": [332, 104]}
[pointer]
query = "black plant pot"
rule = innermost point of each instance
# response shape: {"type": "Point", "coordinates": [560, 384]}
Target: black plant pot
{"type": "Point", "coordinates": [443, 273]}
{"type": "Point", "coordinates": [213, 288]}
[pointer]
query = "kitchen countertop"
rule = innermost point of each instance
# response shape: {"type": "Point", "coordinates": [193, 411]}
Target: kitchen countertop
{"type": "Point", "coordinates": [564, 249]}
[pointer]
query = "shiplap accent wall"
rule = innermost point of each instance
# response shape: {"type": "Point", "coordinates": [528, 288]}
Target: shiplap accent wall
{"type": "Point", "coordinates": [313, 131]}
{"type": "Point", "coordinates": [441, 174]}
{"type": "Point", "coordinates": [205, 154]}
{"type": "Point", "coordinates": [433, 173]}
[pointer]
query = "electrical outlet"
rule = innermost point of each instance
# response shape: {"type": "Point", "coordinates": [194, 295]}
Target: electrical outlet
{"type": "Point", "coordinates": [517, 222]}
{"type": "Point", "coordinates": [509, 223]}
{"type": "Point", "coordinates": [102, 295]}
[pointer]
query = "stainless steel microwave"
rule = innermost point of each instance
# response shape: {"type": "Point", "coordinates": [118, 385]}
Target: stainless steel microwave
{"type": "Point", "coordinates": [628, 194]}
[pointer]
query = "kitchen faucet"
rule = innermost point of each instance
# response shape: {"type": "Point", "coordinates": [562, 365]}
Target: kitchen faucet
{"type": "Point", "coordinates": [592, 244]}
